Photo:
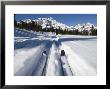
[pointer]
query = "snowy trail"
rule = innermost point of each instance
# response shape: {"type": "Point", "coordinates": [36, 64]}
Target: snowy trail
{"type": "Point", "coordinates": [27, 59]}
{"type": "Point", "coordinates": [54, 67]}
{"type": "Point", "coordinates": [78, 65]}
{"type": "Point", "coordinates": [80, 58]}
{"type": "Point", "coordinates": [66, 67]}
{"type": "Point", "coordinates": [57, 65]}
{"type": "Point", "coordinates": [41, 66]}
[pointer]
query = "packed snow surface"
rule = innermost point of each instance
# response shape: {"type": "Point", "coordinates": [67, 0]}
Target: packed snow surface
{"type": "Point", "coordinates": [37, 54]}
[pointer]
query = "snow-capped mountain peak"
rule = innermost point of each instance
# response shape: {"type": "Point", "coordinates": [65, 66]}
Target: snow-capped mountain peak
{"type": "Point", "coordinates": [51, 22]}
{"type": "Point", "coordinates": [27, 20]}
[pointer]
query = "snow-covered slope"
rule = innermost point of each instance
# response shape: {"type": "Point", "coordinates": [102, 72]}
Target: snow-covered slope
{"type": "Point", "coordinates": [28, 52]}
{"type": "Point", "coordinates": [29, 59]}
{"type": "Point", "coordinates": [81, 63]}
{"type": "Point", "coordinates": [24, 33]}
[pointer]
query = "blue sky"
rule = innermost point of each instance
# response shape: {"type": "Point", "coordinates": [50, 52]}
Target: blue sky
{"type": "Point", "coordinates": [68, 19]}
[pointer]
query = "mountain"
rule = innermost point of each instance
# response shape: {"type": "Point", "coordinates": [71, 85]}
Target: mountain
{"type": "Point", "coordinates": [86, 26]}
{"type": "Point", "coordinates": [52, 23]}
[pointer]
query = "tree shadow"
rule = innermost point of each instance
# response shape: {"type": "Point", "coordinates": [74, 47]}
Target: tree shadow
{"type": "Point", "coordinates": [28, 43]}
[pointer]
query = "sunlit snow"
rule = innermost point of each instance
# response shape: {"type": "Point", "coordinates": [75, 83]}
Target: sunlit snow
{"type": "Point", "coordinates": [29, 60]}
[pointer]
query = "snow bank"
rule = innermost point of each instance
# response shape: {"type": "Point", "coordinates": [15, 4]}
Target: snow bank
{"type": "Point", "coordinates": [78, 65]}
{"type": "Point", "coordinates": [26, 59]}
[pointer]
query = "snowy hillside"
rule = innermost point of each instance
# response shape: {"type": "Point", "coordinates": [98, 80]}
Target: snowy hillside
{"type": "Point", "coordinates": [37, 54]}
{"type": "Point", "coordinates": [24, 33]}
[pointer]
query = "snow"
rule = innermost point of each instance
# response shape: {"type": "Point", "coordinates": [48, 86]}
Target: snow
{"type": "Point", "coordinates": [29, 59]}
{"type": "Point", "coordinates": [85, 48]}
{"type": "Point", "coordinates": [78, 65]}
{"type": "Point", "coordinates": [66, 67]}
{"type": "Point", "coordinates": [54, 64]}
{"type": "Point", "coordinates": [26, 59]}
{"type": "Point", "coordinates": [40, 66]}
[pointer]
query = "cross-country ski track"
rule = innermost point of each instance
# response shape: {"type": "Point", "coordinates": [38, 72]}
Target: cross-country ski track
{"type": "Point", "coordinates": [41, 56]}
